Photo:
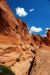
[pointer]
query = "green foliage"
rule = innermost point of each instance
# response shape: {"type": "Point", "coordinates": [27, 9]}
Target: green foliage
{"type": "Point", "coordinates": [5, 71]}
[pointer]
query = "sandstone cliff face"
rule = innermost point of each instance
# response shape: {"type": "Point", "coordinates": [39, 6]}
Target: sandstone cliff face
{"type": "Point", "coordinates": [47, 39]}
{"type": "Point", "coordinates": [42, 40]}
{"type": "Point", "coordinates": [20, 51]}
{"type": "Point", "coordinates": [42, 60]}
{"type": "Point", "coordinates": [37, 39]}
{"type": "Point", "coordinates": [14, 42]}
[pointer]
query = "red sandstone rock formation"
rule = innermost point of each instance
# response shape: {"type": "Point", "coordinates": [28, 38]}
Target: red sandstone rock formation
{"type": "Point", "coordinates": [20, 50]}
{"type": "Point", "coordinates": [42, 40]}
{"type": "Point", "coordinates": [14, 42]}
{"type": "Point", "coordinates": [47, 38]}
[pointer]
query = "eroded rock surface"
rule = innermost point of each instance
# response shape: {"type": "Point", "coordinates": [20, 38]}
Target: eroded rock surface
{"type": "Point", "coordinates": [23, 53]}
{"type": "Point", "coordinates": [42, 60]}
{"type": "Point", "coordinates": [39, 40]}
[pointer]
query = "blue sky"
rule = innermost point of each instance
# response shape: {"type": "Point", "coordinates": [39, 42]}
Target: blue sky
{"type": "Point", "coordinates": [36, 13]}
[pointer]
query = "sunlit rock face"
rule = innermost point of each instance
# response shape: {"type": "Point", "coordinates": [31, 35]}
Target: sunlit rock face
{"type": "Point", "coordinates": [20, 51]}
{"type": "Point", "coordinates": [15, 48]}
{"type": "Point", "coordinates": [42, 62]}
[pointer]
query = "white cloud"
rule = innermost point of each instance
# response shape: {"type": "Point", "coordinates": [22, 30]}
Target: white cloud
{"type": "Point", "coordinates": [31, 10]}
{"type": "Point", "coordinates": [21, 12]}
{"type": "Point", "coordinates": [47, 28]}
{"type": "Point", "coordinates": [35, 29]}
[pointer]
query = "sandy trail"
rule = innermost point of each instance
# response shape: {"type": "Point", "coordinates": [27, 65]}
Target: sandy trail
{"type": "Point", "coordinates": [42, 62]}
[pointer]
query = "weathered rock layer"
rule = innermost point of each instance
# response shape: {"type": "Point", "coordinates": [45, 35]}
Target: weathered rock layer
{"type": "Point", "coordinates": [20, 51]}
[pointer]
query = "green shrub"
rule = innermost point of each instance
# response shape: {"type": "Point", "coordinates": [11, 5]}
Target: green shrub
{"type": "Point", "coordinates": [5, 71]}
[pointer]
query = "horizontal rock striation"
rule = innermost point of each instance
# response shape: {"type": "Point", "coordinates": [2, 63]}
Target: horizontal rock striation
{"type": "Point", "coordinates": [23, 53]}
